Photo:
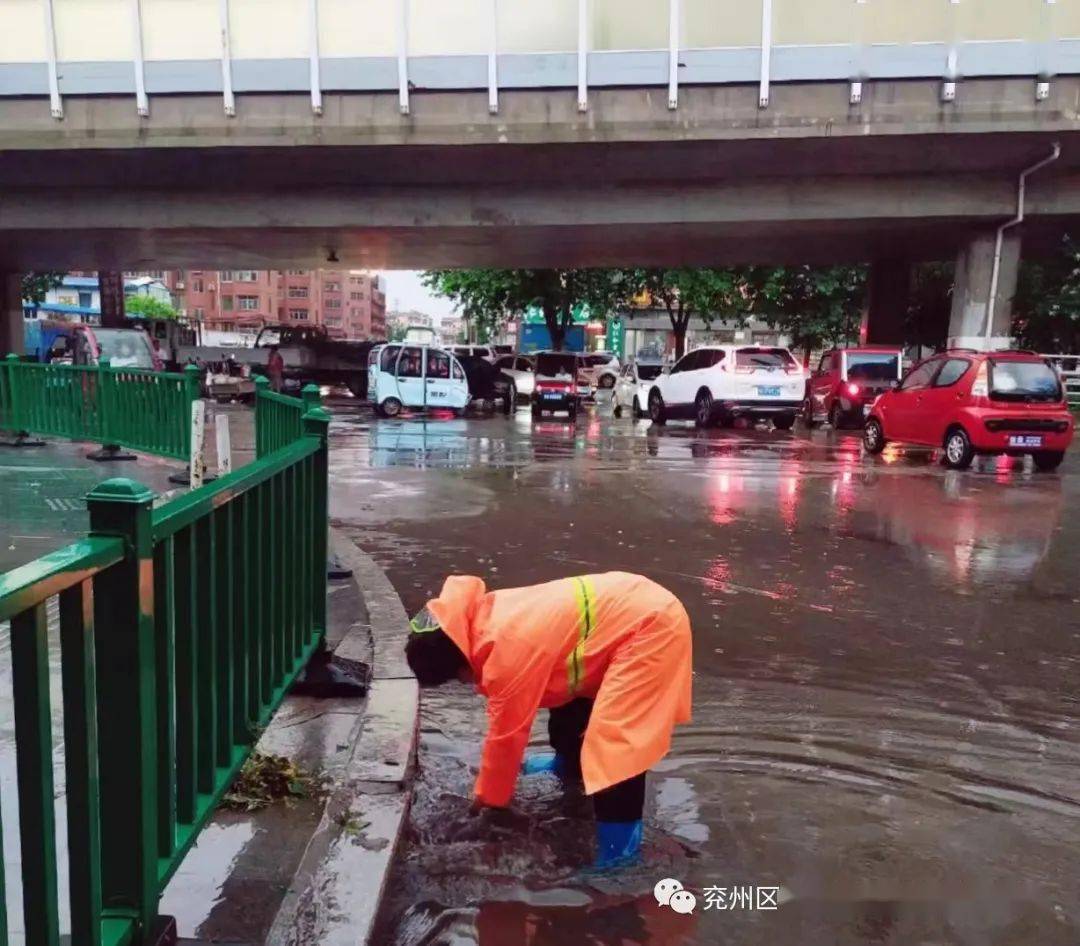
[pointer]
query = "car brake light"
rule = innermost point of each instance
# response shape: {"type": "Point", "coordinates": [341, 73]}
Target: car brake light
{"type": "Point", "coordinates": [981, 386]}
{"type": "Point", "coordinates": [853, 389]}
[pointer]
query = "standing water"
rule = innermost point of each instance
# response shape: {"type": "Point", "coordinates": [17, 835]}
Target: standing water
{"type": "Point", "coordinates": [885, 700]}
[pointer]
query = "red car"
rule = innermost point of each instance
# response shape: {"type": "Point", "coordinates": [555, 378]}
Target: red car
{"type": "Point", "coordinates": [969, 402]}
{"type": "Point", "coordinates": [846, 382]}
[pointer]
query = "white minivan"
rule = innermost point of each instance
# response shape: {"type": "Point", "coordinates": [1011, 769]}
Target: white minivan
{"type": "Point", "coordinates": [415, 376]}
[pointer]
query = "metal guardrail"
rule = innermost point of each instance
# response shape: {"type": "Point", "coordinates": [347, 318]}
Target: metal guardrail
{"type": "Point", "coordinates": [138, 409]}
{"type": "Point", "coordinates": [181, 627]}
{"type": "Point", "coordinates": [278, 418]}
{"type": "Point", "coordinates": [1068, 366]}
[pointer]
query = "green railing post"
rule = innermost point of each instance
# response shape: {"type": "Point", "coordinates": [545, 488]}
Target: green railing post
{"type": "Point", "coordinates": [13, 405]}
{"type": "Point", "coordinates": [192, 392]}
{"type": "Point", "coordinates": [127, 704]}
{"type": "Point", "coordinates": [111, 417]}
{"type": "Point", "coordinates": [317, 424]}
{"type": "Point", "coordinates": [311, 397]}
{"type": "Point", "coordinates": [262, 417]}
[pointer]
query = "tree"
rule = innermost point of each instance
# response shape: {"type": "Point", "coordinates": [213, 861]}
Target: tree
{"type": "Point", "coordinates": [1046, 307]}
{"type": "Point", "coordinates": [689, 292]}
{"type": "Point", "coordinates": [812, 305]}
{"type": "Point", "coordinates": [148, 307]}
{"type": "Point", "coordinates": [488, 297]}
{"type": "Point", "coordinates": [36, 285]}
{"type": "Point", "coordinates": [930, 305]}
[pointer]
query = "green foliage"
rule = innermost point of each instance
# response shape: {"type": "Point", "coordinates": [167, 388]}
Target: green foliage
{"type": "Point", "coordinates": [930, 305]}
{"type": "Point", "coordinates": [1046, 307]}
{"type": "Point", "coordinates": [489, 297]}
{"type": "Point", "coordinates": [813, 305]}
{"type": "Point", "coordinates": [263, 779]}
{"type": "Point", "coordinates": [687, 292]}
{"type": "Point", "coordinates": [149, 308]}
{"type": "Point", "coordinates": [36, 285]}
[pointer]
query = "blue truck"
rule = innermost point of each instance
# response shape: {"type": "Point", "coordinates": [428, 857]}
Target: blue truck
{"type": "Point", "coordinates": [536, 337]}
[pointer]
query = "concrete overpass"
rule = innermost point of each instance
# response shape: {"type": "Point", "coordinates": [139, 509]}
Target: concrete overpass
{"type": "Point", "coordinates": [258, 133]}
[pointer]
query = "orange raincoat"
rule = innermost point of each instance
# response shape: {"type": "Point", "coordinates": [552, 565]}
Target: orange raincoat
{"type": "Point", "coordinates": [617, 638]}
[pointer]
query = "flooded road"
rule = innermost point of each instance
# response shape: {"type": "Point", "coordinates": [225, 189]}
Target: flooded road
{"type": "Point", "coordinates": [886, 697]}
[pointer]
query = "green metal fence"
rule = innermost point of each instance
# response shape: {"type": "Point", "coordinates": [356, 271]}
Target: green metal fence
{"type": "Point", "coordinates": [278, 418]}
{"type": "Point", "coordinates": [142, 410]}
{"type": "Point", "coordinates": [181, 629]}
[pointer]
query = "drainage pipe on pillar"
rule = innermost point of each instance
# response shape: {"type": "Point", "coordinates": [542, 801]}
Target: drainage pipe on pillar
{"type": "Point", "coordinates": [999, 242]}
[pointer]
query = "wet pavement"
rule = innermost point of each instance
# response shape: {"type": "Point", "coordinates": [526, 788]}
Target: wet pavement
{"type": "Point", "coordinates": [885, 696]}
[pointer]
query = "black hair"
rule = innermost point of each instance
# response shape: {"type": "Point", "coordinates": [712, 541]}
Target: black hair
{"type": "Point", "coordinates": [434, 658]}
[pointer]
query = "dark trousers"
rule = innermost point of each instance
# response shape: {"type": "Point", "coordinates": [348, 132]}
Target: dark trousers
{"type": "Point", "coordinates": [624, 801]}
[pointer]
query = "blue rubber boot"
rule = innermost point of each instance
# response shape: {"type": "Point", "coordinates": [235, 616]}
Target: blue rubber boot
{"type": "Point", "coordinates": [540, 763]}
{"type": "Point", "coordinates": [618, 844]}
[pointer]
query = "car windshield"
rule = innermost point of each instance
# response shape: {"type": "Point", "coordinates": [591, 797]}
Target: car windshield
{"type": "Point", "coordinates": [551, 365]}
{"type": "Point", "coordinates": [1024, 381]}
{"type": "Point", "coordinates": [869, 366]}
{"type": "Point", "coordinates": [649, 372]}
{"type": "Point", "coordinates": [125, 348]}
{"type": "Point", "coordinates": [595, 361]}
{"type": "Point", "coordinates": [763, 358]}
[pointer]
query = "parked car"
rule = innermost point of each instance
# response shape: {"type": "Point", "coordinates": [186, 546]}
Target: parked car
{"type": "Point", "coordinates": [602, 368]}
{"type": "Point", "coordinates": [487, 384]}
{"type": "Point", "coordinates": [846, 382]}
{"type": "Point", "coordinates": [479, 351]}
{"type": "Point", "coordinates": [969, 403]}
{"type": "Point", "coordinates": [633, 385]}
{"type": "Point", "coordinates": [419, 376]}
{"type": "Point", "coordinates": [76, 343]}
{"type": "Point", "coordinates": [522, 369]}
{"type": "Point", "coordinates": [561, 383]}
{"type": "Point", "coordinates": [723, 382]}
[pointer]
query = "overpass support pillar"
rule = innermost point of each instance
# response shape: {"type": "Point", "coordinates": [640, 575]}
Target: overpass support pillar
{"type": "Point", "coordinates": [888, 295]}
{"type": "Point", "coordinates": [11, 315]}
{"type": "Point", "coordinates": [971, 303]}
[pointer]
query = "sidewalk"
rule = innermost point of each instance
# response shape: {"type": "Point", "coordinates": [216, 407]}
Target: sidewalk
{"type": "Point", "coordinates": [312, 871]}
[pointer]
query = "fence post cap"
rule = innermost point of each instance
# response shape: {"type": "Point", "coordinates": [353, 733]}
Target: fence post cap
{"type": "Point", "coordinates": [310, 388]}
{"type": "Point", "coordinates": [320, 414]}
{"type": "Point", "coordinates": [189, 370]}
{"type": "Point", "coordinates": [262, 381]}
{"type": "Point", "coordinates": [11, 356]}
{"type": "Point", "coordinates": [121, 489]}
{"type": "Point", "coordinates": [105, 362]}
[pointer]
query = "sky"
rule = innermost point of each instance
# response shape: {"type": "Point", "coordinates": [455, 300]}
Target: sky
{"type": "Point", "coordinates": [404, 291]}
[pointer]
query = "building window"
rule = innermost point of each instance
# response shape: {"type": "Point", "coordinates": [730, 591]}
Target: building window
{"type": "Point", "coordinates": [247, 303]}
{"type": "Point", "coordinates": [86, 299]}
{"type": "Point", "coordinates": [333, 320]}
{"type": "Point", "coordinates": [296, 272]}
{"type": "Point", "coordinates": [298, 292]}
{"type": "Point", "coordinates": [200, 313]}
{"type": "Point", "coordinates": [226, 303]}
{"type": "Point", "coordinates": [196, 285]}
{"type": "Point", "coordinates": [226, 275]}
{"type": "Point", "coordinates": [333, 303]}
{"type": "Point", "coordinates": [332, 287]}
{"type": "Point", "coordinates": [356, 296]}
{"type": "Point", "coordinates": [298, 315]}
{"type": "Point", "coordinates": [246, 275]}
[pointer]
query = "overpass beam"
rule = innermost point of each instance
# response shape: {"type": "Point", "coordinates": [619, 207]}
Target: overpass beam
{"type": "Point", "coordinates": [971, 304]}
{"type": "Point", "coordinates": [11, 314]}
{"type": "Point", "coordinates": [888, 297]}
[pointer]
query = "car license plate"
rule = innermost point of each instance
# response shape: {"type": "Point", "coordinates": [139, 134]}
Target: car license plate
{"type": "Point", "coordinates": [768, 390]}
{"type": "Point", "coordinates": [552, 396]}
{"type": "Point", "coordinates": [1022, 440]}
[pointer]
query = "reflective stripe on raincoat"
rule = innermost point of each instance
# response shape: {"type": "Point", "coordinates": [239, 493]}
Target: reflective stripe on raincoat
{"type": "Point", "coordinates": [619, 639]}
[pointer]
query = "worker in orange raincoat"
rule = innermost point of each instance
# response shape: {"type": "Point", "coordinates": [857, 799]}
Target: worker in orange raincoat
{"type": "Point", "coordinates": [608, 655]}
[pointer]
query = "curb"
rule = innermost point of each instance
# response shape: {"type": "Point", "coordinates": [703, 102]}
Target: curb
{"type": "Point", "coordinates": [338, 886]}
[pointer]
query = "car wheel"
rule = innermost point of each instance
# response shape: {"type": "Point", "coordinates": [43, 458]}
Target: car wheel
{"type": "Point", "coordinates": [636, 410]}
{"type": "Point", "coordinates": [391, 407]}
{"type": "Point", "coordinates": [656, 408]}
{"type": "Point", "coordinates": [703, 409]}
{"type": "Point", "coordinates": [784, 421]}
{"type": "Point", "coordinates": [958, 449]}
{"type": "Point", "coordinates": [836, 416]}
{"type": "Point", "coordinates": [617, 410]}
{"type": "Point", "coordinates": [509, 401]}
{"type": "Point", "coordinates": [873, 437]}
{"type": "Point", "coordinates": [1046, 461]}
{"type": "Point", "coordinates": [808, 414]}
{"type": "Point", "coordinates": [572, 412]}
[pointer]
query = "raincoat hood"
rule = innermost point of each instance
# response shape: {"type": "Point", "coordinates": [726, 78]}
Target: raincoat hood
{"type": "Point", "coordinates": [455, 609]}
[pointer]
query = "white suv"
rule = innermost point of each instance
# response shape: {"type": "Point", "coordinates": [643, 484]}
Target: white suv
{"type": "Point", "coordinates": [719, 383]}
